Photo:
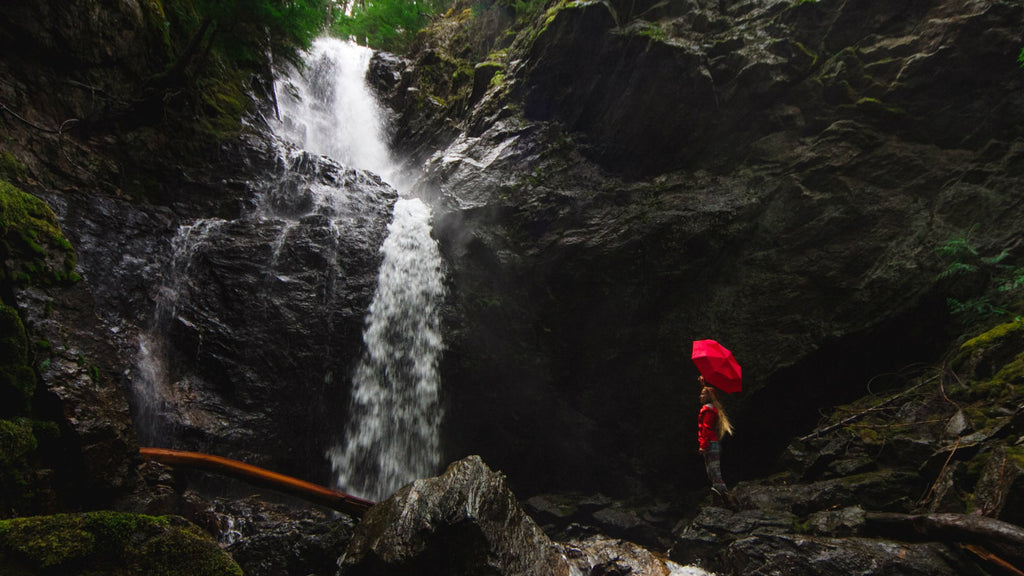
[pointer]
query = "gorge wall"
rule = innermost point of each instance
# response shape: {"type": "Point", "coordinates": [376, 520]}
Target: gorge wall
{"type": "Point", "coordinates": [629, 177]}
{"type": "Point", "coordinates": [618, 180]}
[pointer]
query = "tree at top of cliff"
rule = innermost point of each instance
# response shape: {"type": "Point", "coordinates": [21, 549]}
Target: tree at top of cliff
{"type": "Point", "coordinates": [244, 32]}
{"type": "Point", "coordinates": [384, 24]}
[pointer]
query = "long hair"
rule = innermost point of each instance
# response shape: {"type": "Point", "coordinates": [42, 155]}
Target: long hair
{"type": "Point", "coordinates": [724, 426]}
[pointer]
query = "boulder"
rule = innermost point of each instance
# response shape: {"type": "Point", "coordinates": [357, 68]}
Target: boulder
{"type": "Point", "coordinates": [110, 543]}
{"type": "Point", "coordinates": [467, 522]}
{"type": "Point", "coordinates": [464, 522]}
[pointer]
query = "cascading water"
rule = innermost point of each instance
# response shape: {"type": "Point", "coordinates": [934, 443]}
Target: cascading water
{"type": "Point", "coordinates": [391, 433]}
{"type": "Point", "coordinates": [154, 395]}
{"type": "Point", "coordinates": [391, 436]}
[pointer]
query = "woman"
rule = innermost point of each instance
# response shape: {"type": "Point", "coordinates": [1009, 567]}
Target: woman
{"type": "Point", "coordinates": [712, 425]}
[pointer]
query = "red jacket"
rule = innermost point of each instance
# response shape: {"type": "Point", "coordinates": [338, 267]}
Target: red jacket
{"type": "Point", "coordinates": [707, 426]}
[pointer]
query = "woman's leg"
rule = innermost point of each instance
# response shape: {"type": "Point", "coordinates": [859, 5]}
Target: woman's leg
{"type": "Point", "coordinates": [713, 464]}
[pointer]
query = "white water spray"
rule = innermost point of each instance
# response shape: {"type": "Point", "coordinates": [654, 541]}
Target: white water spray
{"type": "Point", "coordinates": [329, 110]}
{"type": "Point", "coordinates": [395, 412]}
{"type": "Point", "coordinates": [391, 435]}
{"type": "Point", "coordinates": [154, 395]}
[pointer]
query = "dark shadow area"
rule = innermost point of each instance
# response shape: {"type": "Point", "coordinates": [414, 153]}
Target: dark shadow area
{"type": "Point", "coordinates": [796, 399]}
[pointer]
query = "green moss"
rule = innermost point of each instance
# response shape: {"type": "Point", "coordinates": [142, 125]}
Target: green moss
{"type": "Point", "coordinates": [11, 168]}
{"type": "Point", "coordinates": [874, 104]}
{"type": "Point", "coordinates": [651, 31]}
{"type": "Point", "coordinates": [17, 446]}
{"type": "Point", "coordinates": [32, 246]}
{"type": "Point", "coordinates": [994, 336]}
{"type": "Point", "coordinates": [1016, 455]}
{"type": "Point", "coordinates": [17, 379]}
{"type": "Point", "coordinates": [156, 19]}
{"type": "Point", "coordinates": [811, 54]}
{"type": "Point", "coordinates": [13, 342]}
{"type": "Point", "coordinates": [16, 441]}
{"type": "Point", "coordinates": [111, 543]}
{"type": "Point", "coordinates": [224, 103]}
{"type": "Point", "coordinates": [46, 542]}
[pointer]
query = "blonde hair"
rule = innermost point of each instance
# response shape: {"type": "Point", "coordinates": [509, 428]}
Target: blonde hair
{"type": "Point", "coordinates": [724, 426]}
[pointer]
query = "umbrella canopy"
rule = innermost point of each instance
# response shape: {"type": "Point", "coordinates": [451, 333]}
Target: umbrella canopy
{"type": "Point", "coordinates": [717, 365]}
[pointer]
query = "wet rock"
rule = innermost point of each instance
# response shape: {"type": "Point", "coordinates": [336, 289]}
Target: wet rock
{"type": "Point", "coordinates": [997, 492]}
{"type": "Point", "coordinates": [847, 521]}
{"type": "Point", "coordinates": [627, 524]}
{"type": "Point", "coordinates": [745, 161]}
{"type": "Point", "coordinates": [811, 555]}
{"type": "Point", "coordinates": [269, 539]}
{"type": "Point", "coordinates": [878, 490]}
{"type": "Point", "coordinates": [465, 521]}
{"type": "Point", "coordinates": [603, 556]}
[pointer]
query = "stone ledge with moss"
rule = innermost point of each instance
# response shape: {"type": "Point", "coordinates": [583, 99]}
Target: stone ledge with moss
{"type": "Point", "coordinates": [109, 543]}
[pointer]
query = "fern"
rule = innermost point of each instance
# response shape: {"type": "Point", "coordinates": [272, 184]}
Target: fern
{"type": "Point", "coordinates": [1000, 280]}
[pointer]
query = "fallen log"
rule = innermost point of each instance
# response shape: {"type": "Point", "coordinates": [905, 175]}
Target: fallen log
{"type": "Point", "coordinates": [260, 476]}
{"type": "Point", "coordinates": [1002, 539]}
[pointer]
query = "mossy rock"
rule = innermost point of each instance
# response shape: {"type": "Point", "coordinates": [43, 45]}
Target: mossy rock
{"type": "Point", "coordinates": [17, 443]}
{"type": "Point", "coordinates": [32, 246]}
{"type": "Point", "coordinates": [11, 168]}
{"type": "Point", "coordinates": [18, 451]}
{"type": "Point", "coordinates": [17, 379]}
{"type": "Point", "coordinates": [983, 355]}
{"type": "Point", "coordinates": [110, 543]}
{"type": "Point", "coordinates": [13, 343]}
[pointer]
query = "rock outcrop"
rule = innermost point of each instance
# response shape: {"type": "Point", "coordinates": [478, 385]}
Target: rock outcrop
{"type": "Point", "coordinates": [774, 175]}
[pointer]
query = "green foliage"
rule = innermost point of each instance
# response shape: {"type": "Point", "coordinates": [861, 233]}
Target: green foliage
{"type": "Point", "coordinates": [1020, 58]}
{"type": "Point", "coordinates": [210, 49]}
{"type": "Point", "coordinates": [112, 543]}
{"type": "Point", "coordinates": [385, 24]}
{"type": "Point", "coordinates": [999, 280]}
{"type": "Point", "coordinates": [246, 30]}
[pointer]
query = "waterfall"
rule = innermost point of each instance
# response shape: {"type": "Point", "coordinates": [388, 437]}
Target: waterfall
{"type": "Point", "coordinates": [388, 435]}
{"type": "Point", "coordinates": [395, 413]}
{"type": "Point", "coordinates": [391, 434]}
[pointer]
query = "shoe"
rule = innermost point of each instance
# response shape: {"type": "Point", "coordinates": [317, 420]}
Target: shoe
{"type": "Point", "coordinates": [732, 502]}
{"type": "Point", "coordinates": [725, 498]}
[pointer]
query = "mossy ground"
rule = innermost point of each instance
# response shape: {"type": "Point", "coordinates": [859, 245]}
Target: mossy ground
{"type": "Point", "coordinates": [110, 543]}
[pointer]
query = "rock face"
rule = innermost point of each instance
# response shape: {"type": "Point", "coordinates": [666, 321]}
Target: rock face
{"type": "Point", "coordinates": [258, 320]}
{"type": "Point", "coordinates": [774, 175]}
{"type": "Point", "coordinates": [910, 508]}
{"type": "Point", "coordinates": [172, 339]}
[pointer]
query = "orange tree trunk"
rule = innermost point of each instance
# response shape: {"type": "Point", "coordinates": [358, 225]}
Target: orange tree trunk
{"type": "Point", "coordinates": [253, 474]}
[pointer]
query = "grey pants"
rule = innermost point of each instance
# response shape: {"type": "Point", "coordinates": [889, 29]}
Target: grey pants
{"type": "Point", "coordinates": [713, 463]}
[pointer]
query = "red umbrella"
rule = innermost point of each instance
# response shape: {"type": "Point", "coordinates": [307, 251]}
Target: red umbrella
{"type": "Point", "coordinates": [717, 365]}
